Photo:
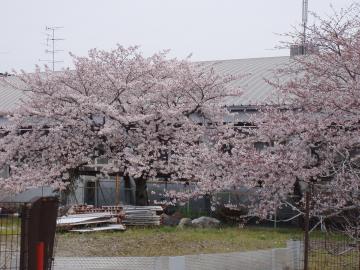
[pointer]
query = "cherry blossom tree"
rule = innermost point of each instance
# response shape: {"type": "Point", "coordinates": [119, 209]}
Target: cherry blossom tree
{"type": "Point", "coordinates": [143, 114]}
{"type": "Point", "coordinates": [315, 137]}
{"type": "Point", "coordinates": [310, 136]}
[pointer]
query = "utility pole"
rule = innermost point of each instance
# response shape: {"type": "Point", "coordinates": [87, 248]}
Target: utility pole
{"type": "Point", "coordinates": [306, 229]}
{"type": "Point", "coordinates": [301, 48]}
{"type": "Point", "coordinates": [117, 189]}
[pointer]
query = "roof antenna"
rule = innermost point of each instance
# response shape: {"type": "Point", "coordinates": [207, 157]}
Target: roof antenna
{"type": "Point", "coordinates": [50, 43]}
{"type": "Point", "coordinates": [305, 7]}
{"type": "Point", "coordinates": [302, 48]}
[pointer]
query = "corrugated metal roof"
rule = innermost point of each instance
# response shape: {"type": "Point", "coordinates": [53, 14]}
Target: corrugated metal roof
{"type": "Point", "coordinates": [255, 90]}
{"type": "Point", "coordinates": [3, 122]}
{"type": "Point", "coordinates": [10, 93]}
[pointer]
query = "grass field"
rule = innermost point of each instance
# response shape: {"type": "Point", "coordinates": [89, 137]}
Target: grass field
{"type": "Point", "coordinates": [320, 258]}
{"type": "Point", "coordinates": [169, 241]}
{"type": "Point", "coordinates": [9, 225]}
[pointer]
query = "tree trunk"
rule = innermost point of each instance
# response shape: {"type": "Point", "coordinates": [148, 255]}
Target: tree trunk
{"type": "Point", "coordinates": [129, 190]}
{"type": "Point", "coordinates": [207, 203]}
{"type": "Point", "coordinates": [141, 195]}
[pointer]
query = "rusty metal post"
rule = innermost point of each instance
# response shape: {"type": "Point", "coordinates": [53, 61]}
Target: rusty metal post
{"type": "Point", "coordinates": [359, 254]}
{"type": "Point", "coordinates": [38, 224]}
{"type": "Point", "coordinates": [24, 247]}
{"type": "Point", "coordinates": [306, 233]}
{"type": "Point", "coordinates": [117, 189]}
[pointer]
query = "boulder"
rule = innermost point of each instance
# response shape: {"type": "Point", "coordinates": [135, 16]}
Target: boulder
{"type": "Point", "coordinates": [185, 223]}
{"type": "Point", "coordinates": [206, 222]}
{"type": "Point", "coordinates": [172, 220]}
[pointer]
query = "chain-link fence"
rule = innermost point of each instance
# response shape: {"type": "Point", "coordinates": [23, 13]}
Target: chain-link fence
{"type": "Point", "coordinates": [10, 235]}
{"type": "Point", "coordinates": [27, 232]}
{"type": "Point", "coordinates": [287, 258]}
{"type": "Point", "coordinates": [333, 250]}
{"type": "Point", "coordinates": [331, 242]}
{"type": "Point", "coordinates": [99, 193]}
{"type": "Point", "coordinates": [228, 205]}
{"type": "Point", "coordinates": [114, 192]}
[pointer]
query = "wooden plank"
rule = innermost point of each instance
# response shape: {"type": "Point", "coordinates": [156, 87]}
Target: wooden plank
{"type": "Point", "coordinates": [88, 223]}
{"type": "Point", "coordinates": [115, 227]}
{"type": "Point", "coordinates": [82, 218]}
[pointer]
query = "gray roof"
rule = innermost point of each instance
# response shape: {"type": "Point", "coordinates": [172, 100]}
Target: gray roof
{"type": "Point", "coordinates": [255, 90]}
{"type": "Point", "coordinates": [10, 93]}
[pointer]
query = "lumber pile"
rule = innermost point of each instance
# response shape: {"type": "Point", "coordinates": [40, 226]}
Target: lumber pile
{"type": "Point", "coordinates": [142, 215]}
{"type": "Point", "coordinates": [90, 221]}
{"type": "Point", "coordinates": [110, 227]}
{"type": "Point", "coordinates": [87, 218]}
{"type": "Point", "coordinates": [81, 208]}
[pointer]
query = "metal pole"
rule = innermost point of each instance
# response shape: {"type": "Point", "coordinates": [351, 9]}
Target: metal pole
{"type": "Point", "coordinates": [117, 191]}
{"type": "Point", "coordinates": [96, 193]}
{"type": "Point", "coordinates": [358, 252]}
{"type": "Point", "coordinates": [305, 7]}
{"type": "Point", "coordinates": [275, 219]}
{"type": "Point", "coordinates": [305, 20]}
{"type": "Point", "coordinates": [306, 235]}
{"type": "Point", "coordinates": [188, 208]}
{"type": "Point", "coordinates": [53, 49]}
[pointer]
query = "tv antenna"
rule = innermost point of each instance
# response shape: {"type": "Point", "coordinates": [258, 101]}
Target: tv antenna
{"type": "Point", "coordinates": [305, 11]}
{"type": "Point", "coordinates": [51, 40]}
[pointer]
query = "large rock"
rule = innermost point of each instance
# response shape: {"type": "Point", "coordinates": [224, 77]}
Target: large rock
{"type": "Point", "coordinates": [172, 220]}
{"type": "Point", "coordinates": [185, 223]}
{"type": "Point", "coordinates": [206, 222]}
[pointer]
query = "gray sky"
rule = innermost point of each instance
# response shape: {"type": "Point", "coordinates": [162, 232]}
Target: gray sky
{"type": "Point", "coordinates": [210, 29]}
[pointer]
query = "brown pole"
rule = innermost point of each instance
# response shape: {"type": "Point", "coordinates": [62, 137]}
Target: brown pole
{"type": "Point", "coordinates": [306, 235]}
{"type": "Point", "coordinates": [359, 253]}
{"type": "Point", "coordinates": [117, 190]}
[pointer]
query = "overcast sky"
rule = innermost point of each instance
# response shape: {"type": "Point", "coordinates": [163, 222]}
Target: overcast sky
{"type": "Point", "coordinates": [209, 29]}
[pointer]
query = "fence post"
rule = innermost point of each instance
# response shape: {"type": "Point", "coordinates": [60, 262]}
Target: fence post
{"type": "Point", "coordinates": [38, 224]}
{"type": "Point", "coordinates": [24, 247]}
{"type": "Point", "coordinates": [306, 234]}
{"type": "Point", "coordinates": [40, 255]}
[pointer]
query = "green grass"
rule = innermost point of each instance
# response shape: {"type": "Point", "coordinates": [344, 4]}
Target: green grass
{"type": "Point", "coordinates": [170, 241]}
{"type": "Point", "coordinates": [323, 260]}
{"type": "Point", "coordinates": [9, 225]}
{"type": "Point", "coordinates": [333, 251]}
